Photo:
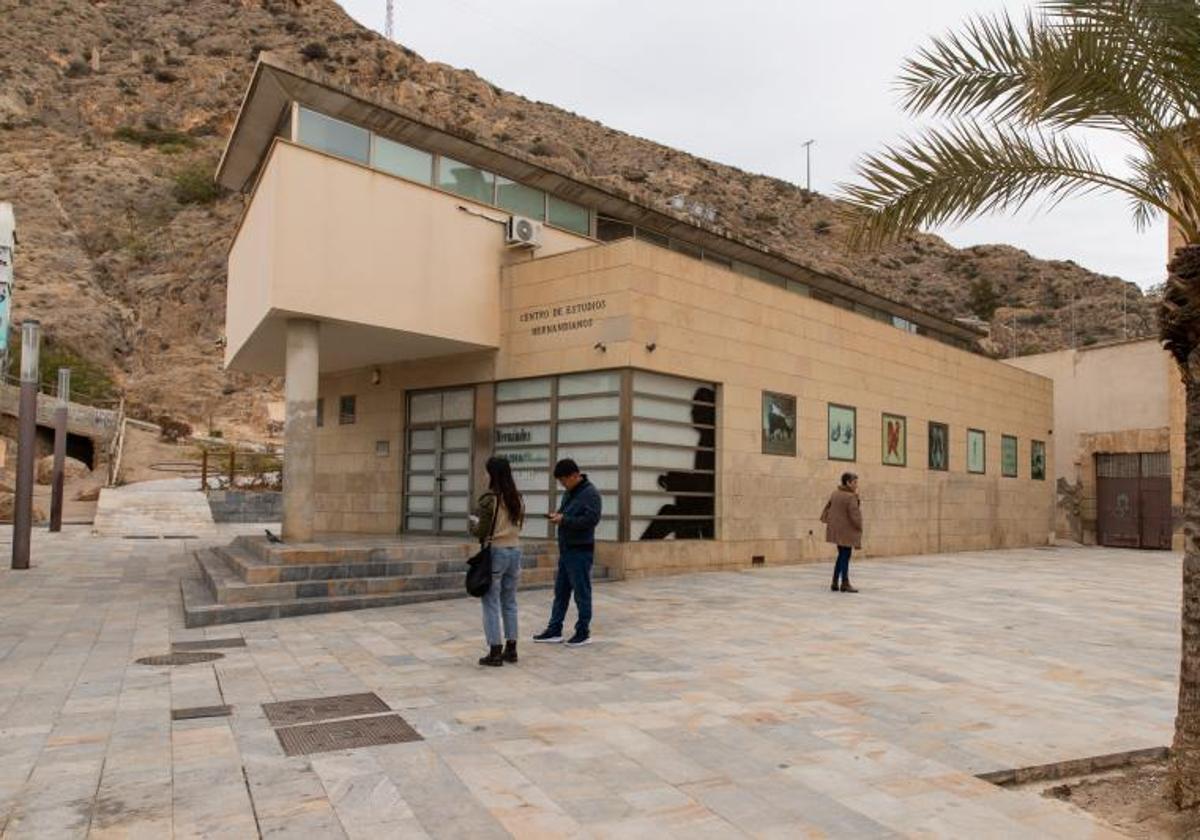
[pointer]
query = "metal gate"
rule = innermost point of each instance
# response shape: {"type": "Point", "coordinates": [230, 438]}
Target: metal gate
{"type": "Point", "coordinates": [1133, 500]}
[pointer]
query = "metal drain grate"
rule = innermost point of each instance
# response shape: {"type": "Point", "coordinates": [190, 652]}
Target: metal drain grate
{"type": "Point", "coordinates": [180, 658]}
{"type": "Point", "coordinates": [323, 708]}
{"type": "Point", "coordinates": [346, 734]}
{"type": "Point", "coordinates": [194, 712]}
{"type": "Point", "coordinates": [208, 644]}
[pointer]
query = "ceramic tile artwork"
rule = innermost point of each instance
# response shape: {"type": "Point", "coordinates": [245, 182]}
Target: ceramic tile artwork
{"type": "Point", "coordinates": [842, 433]}
{"type": "Point", "coordinates": [894, 443]}
{"type": "Point", "coordinates": [939, 446]}
{"type": "Point", "coordinates": [1037, 460]}
{"type": "Point", "coordinates": [823, 726]}
{"type": "Point", "coordinates": [976, 451]}
{"type": "Point", "coordinates": [778, 424]}
{"type": "Point", "coordinates": [1008, 456]}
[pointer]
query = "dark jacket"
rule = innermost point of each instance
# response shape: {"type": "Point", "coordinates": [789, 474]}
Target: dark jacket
{"type": "Point", "coordinates": [581, 513]}
{"type": "Point", "coordinates": [843, 518]}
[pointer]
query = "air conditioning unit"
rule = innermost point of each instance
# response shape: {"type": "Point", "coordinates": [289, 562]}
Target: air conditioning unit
{"type": "Point", "coordinates": [523, 232]}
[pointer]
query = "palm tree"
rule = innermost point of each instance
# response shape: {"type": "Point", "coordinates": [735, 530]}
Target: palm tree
{"type": "Point", "coordinates": [1012, 95]}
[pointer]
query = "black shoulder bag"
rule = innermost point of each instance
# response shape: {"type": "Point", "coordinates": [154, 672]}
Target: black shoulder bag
{"type": "Point", "coordinates": [479, 567]}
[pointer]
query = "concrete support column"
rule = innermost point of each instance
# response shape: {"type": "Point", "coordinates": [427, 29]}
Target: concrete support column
{"type": "Point", "coordinates": [300, 430]}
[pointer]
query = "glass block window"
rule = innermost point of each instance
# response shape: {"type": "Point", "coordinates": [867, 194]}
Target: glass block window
{"type": "Point", "coordinates": [523, 436]}
{"type": "Point", "coordinates": [520, 199]}
{"type": "Point", "coordinates": [587, 413]}
{"type": "Point", "coordinates": [334, 136]}
{"type": "Point", "coordinates": [405, 161]}
{"type": "Point", "coordinates": [673, 481]}
{"type": "Point", "coordinates": [347, 410]}
{"type": "Point", "coordinates": [570, 216]}
{"type": "Point", "coordinates": [467, 181]}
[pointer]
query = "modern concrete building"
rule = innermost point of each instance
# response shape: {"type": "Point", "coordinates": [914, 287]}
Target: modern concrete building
{"type": "Point", "coordinates": [1118, 429]}
{"type": "Point", "coordinates": [432, 300]}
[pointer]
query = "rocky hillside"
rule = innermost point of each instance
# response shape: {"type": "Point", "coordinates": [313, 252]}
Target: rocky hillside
{"type": "Point", "coordinates": [113, 114]}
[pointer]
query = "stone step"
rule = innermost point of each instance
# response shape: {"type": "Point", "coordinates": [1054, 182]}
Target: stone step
{"type": "Point", "coordinates": [313, 554]}
{"type": "Point", "coordinates": [228, 587]}
{"type": "Point", "coordinates": [252, 568]}
{"type": "Point", "coordinates": [201, 608]}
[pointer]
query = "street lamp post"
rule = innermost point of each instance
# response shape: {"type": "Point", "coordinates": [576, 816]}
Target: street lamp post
{"type": "Point", "coordinates": [808, 164]}
{"type": "Point", "coordinates": [60, 449]}
{"type": "Point", "coordinates": [31, 335]}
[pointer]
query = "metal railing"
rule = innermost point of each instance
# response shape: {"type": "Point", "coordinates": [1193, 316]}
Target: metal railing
{"type": "Point", "coordinates": [230, 468]}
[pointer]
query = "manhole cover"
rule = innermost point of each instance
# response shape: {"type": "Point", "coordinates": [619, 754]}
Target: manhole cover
{"type": "Point", "coordinates": [346, 734]}
{"type": "Point", "coordinates": [323, 708]}
{"type": "Point", "coordinates": [195, 712]}
{"type": "Point", "coordinates": [208, 644]}
{"type": "Point", "coordinates": [180, 658]}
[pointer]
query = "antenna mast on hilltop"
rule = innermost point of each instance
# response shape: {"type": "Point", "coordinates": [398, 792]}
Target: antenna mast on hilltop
{"type": "Point", "coordinates": [389, 21]}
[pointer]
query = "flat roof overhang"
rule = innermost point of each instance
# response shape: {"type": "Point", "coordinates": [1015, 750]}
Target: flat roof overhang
{"type": "Point", "coordinates": [343, 346]}
{"type": "Point", "coordinates": [275, 84]}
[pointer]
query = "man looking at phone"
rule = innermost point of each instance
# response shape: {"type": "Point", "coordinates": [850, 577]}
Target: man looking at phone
{"type": "Point", "coordinates": [576, 520]}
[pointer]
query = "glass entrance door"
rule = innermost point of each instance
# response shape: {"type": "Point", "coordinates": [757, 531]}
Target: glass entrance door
{"type": "Point", "coordinates": [437, 479]}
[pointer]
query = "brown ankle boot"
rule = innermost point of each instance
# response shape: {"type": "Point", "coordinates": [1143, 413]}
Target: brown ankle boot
{"type": "Point", "coordinates": [846, 587]}
{"type": "Point", "coordinates": [510, 650]}
{"type": "Point", "coordinates": [495, 657]}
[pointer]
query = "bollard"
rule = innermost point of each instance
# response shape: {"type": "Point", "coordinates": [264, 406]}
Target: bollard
{"type": "Point", "coordinates": [204, 469]}
{"type": "Point", "coordinates": [60, 449]}
{"type": "Point", "coordinates": [26, 435]}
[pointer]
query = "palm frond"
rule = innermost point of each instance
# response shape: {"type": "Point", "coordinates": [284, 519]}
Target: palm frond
{"type": "Point", "coordinates": [984, 69]}
{"type": "Point", "coordinates": [1043, 72]}
{"type": "Point", "coordinates": [966, 169]}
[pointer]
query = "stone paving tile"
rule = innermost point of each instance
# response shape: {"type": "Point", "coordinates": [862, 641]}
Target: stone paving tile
{"type": "Point", "coordinates": [719, 705]}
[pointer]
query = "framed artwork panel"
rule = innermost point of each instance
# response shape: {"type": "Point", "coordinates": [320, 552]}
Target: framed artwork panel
{"type": "Point", "coordinates": [976, 451]}
{"type": "Point", "coordinates": [1008, 456]}
{"type": "Point", "coordinates": [939, 446]}
{"type": "Point", "coordinates": [778, 424]}
{"type": "Point", "coordinates": [842, 433]}
{"type": "Point", "coordinates": [894, 444]}
{"type": "Point", "coordinates": [1037, 460]}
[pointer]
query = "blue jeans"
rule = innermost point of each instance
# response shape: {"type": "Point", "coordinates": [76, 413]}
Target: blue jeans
{"type": "Point", "coordinates": [574, 576]}
{"type": "Point", "coordinates": [841, 569]}
{"type": "Point", "coordinates": [502, 595]}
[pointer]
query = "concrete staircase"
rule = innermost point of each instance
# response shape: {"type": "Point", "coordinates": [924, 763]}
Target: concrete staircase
{"type": "Point", "coordinates": [252, 579]}
{"type": "Point", "coordinates": [171, 507]}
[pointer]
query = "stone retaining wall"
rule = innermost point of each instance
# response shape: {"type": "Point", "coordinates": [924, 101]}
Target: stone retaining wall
{"type": "Point", "coordinates": [246, 505]}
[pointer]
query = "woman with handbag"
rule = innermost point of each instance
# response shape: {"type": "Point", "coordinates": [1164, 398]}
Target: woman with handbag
{"type": "Point", "coordinates": [497, 523]}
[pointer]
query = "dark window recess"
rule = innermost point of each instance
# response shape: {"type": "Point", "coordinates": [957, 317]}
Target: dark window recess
{"type": "Point", "coordinates": [609, 229]}
{"type": "Point", "coordinates": [652, 237]}
{"type": "Point", "coordinates": [347, 410]}
{"type": "Point", "coordinates": [320, 412]}
{"type": "Point", "coordinates": [685, 248]}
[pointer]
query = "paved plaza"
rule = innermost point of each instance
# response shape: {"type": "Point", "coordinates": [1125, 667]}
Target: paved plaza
{"type": "Point", "coordinates": [712, 705]}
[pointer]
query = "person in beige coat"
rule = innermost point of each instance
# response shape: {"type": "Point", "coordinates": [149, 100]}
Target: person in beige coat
{"type": "Point", "coordinates": [497, 520]}
{"type": "Point", "coordinates": [843, 527]}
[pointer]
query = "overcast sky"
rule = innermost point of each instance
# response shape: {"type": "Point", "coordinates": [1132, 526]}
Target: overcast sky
{"type": "Point", "coordinates": [746, 84]}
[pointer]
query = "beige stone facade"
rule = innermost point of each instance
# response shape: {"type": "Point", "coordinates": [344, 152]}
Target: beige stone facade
{"type": "Point", "coordinates": [697, 371]}
{"type": "Point", "coordinates": [1111, 399]}
{"type": "Point", "coordinates": [707, 323]}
